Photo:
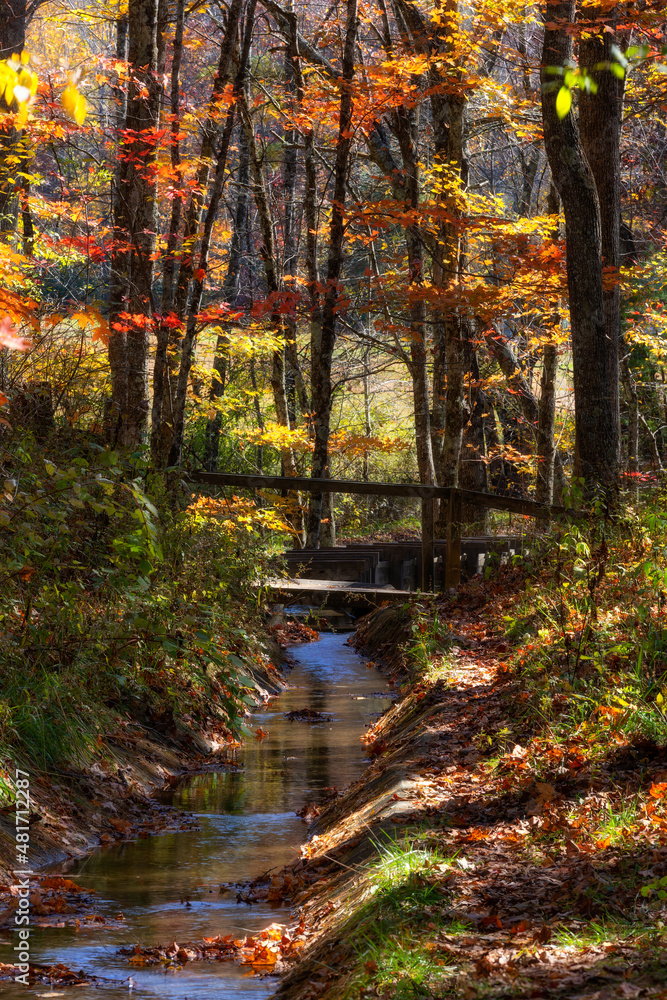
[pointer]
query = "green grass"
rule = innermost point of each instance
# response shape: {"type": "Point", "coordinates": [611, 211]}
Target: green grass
{"type": "Point", "coordinates": [600, 932]}
{"type": "Point", "coordinates": [48, 719]}
{"type": "Point", "coordinates": [618, 822]}
{"type": "Point", "coordinates": [401, 916]}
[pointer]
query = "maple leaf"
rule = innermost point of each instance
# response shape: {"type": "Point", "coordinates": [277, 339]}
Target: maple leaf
{"type": "Point", "coordinates": [10, 338]}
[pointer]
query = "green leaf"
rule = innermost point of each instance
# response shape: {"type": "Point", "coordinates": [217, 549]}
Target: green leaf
{"type": "Point", "coordinates": [617, 70]}
{"type": "Point", "coordinates": [637, 52]}
{"type": "Point", "coordinates": [244, 681]}
{"type": "Point", "coordinates": [563, 102]}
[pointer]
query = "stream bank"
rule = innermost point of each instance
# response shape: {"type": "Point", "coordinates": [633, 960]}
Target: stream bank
{"type": "Point", "coordinates": [480, 855]}
{"type": "Point", "coordinates": [194, 885]}
{"type": "Point", "coordinates": [116, 799]}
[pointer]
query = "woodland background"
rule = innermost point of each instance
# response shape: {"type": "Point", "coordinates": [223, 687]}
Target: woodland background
{"type": "Point", "coordinates": [328, 238]}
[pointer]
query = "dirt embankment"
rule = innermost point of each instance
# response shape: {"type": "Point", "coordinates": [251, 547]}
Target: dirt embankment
{"type": "Point", "coordinates": [115, 799]}
{"type": "Point", "coordinates": [467, 860]}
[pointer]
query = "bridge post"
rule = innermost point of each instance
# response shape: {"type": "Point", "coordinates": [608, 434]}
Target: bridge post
{"type": "Point", "coordinates": [453, 564]}
{"type": "Point", "coordinates": [428, 531]}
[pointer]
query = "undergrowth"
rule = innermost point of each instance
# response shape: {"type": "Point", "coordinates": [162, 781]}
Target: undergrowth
{"type": "Point", "coordinates": [592, 653]}
{"type": "Point", "coordinates": [119, 599]}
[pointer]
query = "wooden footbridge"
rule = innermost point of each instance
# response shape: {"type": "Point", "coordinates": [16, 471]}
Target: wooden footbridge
{"type": "Point", "coordinates": [374, 562]}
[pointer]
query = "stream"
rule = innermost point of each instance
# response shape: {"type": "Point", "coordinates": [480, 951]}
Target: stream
{"type": "Point", "coordinates": [248, 825]}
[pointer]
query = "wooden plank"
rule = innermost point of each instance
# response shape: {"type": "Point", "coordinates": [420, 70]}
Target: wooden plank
{"type": "Point", "coordinates": [306, 485]}
{"type": "Point", "coordinates": [428, 531]}
{"type": "Point", "coordinates": [453, 557]}
{"type": "Point", "coordinates": [514, 504]}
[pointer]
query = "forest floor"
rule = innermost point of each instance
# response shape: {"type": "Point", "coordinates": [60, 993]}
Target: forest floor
{"type": "Point", "coordinates": [483, 854]}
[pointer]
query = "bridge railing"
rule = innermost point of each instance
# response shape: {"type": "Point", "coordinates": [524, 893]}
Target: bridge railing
{"type": "Point", "coordinates": [428, 495]}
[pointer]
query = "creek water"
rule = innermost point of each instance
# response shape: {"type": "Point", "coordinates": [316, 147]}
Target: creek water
{"type": "Point", "coordinates": [248, 825]}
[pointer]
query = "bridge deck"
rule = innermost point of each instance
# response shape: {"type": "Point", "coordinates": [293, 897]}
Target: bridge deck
{"type": "Point", "coordinates": [349, 591]}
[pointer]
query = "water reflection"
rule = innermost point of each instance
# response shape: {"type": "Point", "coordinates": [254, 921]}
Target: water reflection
{"type": "Point", "coordinates": [168, 887]}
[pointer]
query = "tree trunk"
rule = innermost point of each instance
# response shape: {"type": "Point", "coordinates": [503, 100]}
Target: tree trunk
{"type": "Point", "coordinates": [210, 133]}
{"type": "Point", "coordinates": [473, 474]}
{"type": "Point", "coordinates": [500, 349]}
{"type": "Point", "coordinates": [180, 290]}
{"type": "Point", "coordinates": [116, 409]}
{"type": "Point", "coordinates": [139, 195]}
{"type": "Point", "coordinates": [230, 292]}
{"type": "Point", "coordinates": [600, 122]}
{"type": "Point", "coordinates": [13, 23]}
{"type": "Point", "coordinates": [322, 358]}
{"type": "Point", "coordinates": [199, 277]}
{"type": "Point", "coordinates": [191, 329]}
{"type": "Point", "coordinates": [273, 283]}
{"type": "Point", "coordinates": [632, 398]}
{"type": "Point", "coordinates": [546, 423]}
{"type": "Point", "coordinates": [136, 224]}
{"type": "Point", "coordinates": [289, 268]}
{"type": "Point", "coordinates": [448, 110]}
{"type": "Point", "coordinates": [161, 381]}
{"type": "Point", "coordinates": [596, 424]}
{"type": "Point", "coordinates": [453, 343]}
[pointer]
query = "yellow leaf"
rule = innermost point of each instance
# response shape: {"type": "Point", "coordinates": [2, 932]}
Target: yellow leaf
{"type": "Point", "coordinates": [74, 104]}
{"type": "Point", "coordinates": [563, 101]}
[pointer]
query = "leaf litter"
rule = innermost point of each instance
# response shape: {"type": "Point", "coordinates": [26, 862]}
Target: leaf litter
{"type": "Point", "coordinates": [267, 951]}
{"type": "Point", "coordinates": [549, 837]}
